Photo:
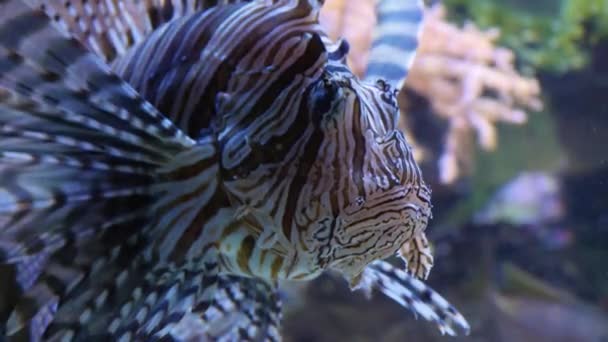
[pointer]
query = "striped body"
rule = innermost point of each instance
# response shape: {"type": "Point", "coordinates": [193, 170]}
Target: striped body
{"type": "Point", "coordinates": [274, 162]}
{"type": "Point", "coordinates": [303, 144]}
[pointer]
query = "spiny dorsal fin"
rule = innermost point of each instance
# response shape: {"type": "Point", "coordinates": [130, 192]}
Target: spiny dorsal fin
{"type": "Point", "coordinates": [110, 28]}
{"type": "Point", "coordinates": [395, 40]}
{"type": "Point", "coordinates": [107, 28]}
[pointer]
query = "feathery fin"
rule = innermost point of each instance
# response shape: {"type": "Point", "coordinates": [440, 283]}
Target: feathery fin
{"type": "Point", "coordinates": [110, 28]}
{"type": "Point", "coordinates": [79, 173]}
{"type": "Point", "coordinates": [415, 295]}
{"type": "Point", "coordinates": [242, 309]}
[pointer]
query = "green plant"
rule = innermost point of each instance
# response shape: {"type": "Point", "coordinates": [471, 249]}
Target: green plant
{"type": "Point", "coordinates": [550, 34]}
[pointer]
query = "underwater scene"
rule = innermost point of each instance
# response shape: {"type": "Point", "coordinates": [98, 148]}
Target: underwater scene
{"type": "Point", "coordinates": [506, 104]}
{"type": "Point", "coordinates": [304, 170]}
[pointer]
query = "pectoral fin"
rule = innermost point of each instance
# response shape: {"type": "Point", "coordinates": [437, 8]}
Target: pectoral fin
{"type": "Point", "coordinates": [415, 295]}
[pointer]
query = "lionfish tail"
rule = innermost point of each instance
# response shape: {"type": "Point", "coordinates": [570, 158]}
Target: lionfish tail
{"type": "Point", "coordinates": [415, 295]}
{"type": "Point", "coordinates": [395, 40]}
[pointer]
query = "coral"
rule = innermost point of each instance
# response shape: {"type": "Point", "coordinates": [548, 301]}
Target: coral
{"type": "Point", "coordinates": [469, 82]}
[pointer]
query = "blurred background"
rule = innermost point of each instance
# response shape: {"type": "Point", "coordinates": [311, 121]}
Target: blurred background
{"type": "Point", "coordinates": [507, 108]}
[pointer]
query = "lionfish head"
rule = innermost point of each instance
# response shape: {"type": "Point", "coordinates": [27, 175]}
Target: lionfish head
{"type": "Point", "coordinates": [378, 200]}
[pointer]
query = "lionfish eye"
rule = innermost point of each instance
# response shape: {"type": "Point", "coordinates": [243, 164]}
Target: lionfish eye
{"type": "Point", "coordinates": [322, 95]}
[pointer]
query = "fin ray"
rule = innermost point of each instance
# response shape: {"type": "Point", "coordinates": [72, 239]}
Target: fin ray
{"type": "Point", "coordinates": [79, 172]}
{"type": "Point", "coordinates": [414, 295]}
{"type": "Point", "coordinates": [395, 41]}
{"type": "Point", "coordinates": [110, 28]}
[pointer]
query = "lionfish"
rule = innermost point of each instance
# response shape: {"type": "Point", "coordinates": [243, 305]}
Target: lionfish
{"type": "Point", "coordinates": [164, 164]}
